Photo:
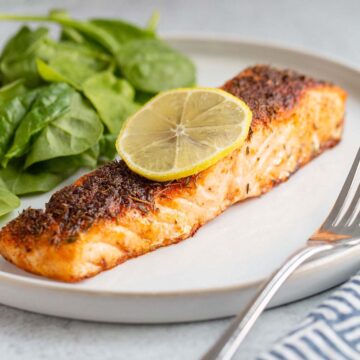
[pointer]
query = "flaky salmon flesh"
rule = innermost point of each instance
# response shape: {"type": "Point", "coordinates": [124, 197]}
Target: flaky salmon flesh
{"type": "Point", "coordinates": [112, 214]}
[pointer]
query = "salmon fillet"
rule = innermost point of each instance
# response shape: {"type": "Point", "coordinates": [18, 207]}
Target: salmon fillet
{"type": "Point", "coordinates": [111, 214]}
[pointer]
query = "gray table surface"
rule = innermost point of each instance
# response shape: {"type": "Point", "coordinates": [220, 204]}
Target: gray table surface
{"type": "Point", "coordinates": [331, 28]}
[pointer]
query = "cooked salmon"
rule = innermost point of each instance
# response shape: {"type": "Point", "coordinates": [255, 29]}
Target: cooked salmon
{"type": "Point", "coordinates": [112, 214]}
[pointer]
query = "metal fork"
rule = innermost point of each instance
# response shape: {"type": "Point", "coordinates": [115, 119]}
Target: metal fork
{"type": "Point", "coordinates": [341, 229]}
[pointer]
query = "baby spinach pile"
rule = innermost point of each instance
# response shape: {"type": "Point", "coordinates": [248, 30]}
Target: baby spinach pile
{"type": "Point", "coordinates": [63, 102]}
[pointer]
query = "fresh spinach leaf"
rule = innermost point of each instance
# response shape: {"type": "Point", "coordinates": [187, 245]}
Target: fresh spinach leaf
{"type": "Point", "coordinates": [153, 22]}
{"type": "Point", "coordinates": [18, 57]}
{"type": "Point", "coordinates": [51, 74]}
{"type": "Point", "coordinates": [67, 165]}
{"type": "Point", "coordinates": [9, 91]}
{"type": "Point", "coordinates": [72, 63]}
{"type": "Point", "coordinates": [107, 147]}
{"type": "Point", "coordinates": [148, 63]}
{"type": "Point", "coordinates": [8, 201]}
{"type": "Point", "coordinates": [87, 29]}
{"type": "Point", "coordinates": [11, 113]}
{"type": "Point", "coordinates": [88, 158]}
{"type": "Point", "coordinates": [113, 98]}
{"type": "Point", "coordinates": [109, 34]}
{"type": "Point", "coordinates": [51, 102]}
{"type": "Point", "coordinates": [152, 66]}
{"type": "Point", "coordinates": [21, 182]}
{"type": "Point", "coordinates": [122, 31]}
{"type": "Point", "coordinates": [71, 133]}
{"type": "Point", "coordinates": [142, 97]}
{"type": "Point", "coordinates": [71, 35]}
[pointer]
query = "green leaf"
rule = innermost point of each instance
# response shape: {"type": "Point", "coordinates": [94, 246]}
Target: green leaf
{"type": "Point", "coordinates": [110, 34]}
{"type": "Point", "coordinates": [71, 63]}
{"type": "Point", "coordinates": [153, 22]}
{"type": "Point", "coordinates": [71, 35]}
{"type": "Point", "coordinates": [12, 109]}
{"type": "Point", "coordinates": [142, 97]}
{"type": "Point", "coordinates": [50, 74]}
{"type": "Point", "coordinates": [72, 133]}
{"type": "Point", "coordinates": [87, 29]}
{"type": "Point", "coordinates": [21, 182]}
{"type": "Point", "coordinates": [9, 91]}
{"type": "Point", "coordinates": [107, 147]}
{"type": "Point", "coordinates": [50, 103]}
{"type": "Point", "coordinates": [113, 98]}
{"type": "Point", "coordinates": [122, 31]}
{"type": "Point", "coordinates": [88, 158]}
{"type": "Point", "coordinates": [67, 165]}
{"type": "Point", "coordinates": [149, 64]}
{"type": "Point", "coordinates": [152, 66]}
{"type": "Point", "coordinates": [18, 57]}
{"type": "Point", "coordinates": [8, 201]}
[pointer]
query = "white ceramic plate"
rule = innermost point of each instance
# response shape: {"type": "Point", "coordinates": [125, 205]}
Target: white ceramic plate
{"type": "Point", "coordinates": [214, 273]}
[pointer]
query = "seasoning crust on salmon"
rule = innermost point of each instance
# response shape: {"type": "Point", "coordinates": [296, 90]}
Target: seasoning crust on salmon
{"type": "Point", "coordinates": [112, 214]}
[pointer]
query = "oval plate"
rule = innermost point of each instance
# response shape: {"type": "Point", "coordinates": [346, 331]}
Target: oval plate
{"type": "Point", "coordinates": [214, 273]}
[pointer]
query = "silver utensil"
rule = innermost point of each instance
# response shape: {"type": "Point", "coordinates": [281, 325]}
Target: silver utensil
{"type": "Point", "coordinates": [341, 229]}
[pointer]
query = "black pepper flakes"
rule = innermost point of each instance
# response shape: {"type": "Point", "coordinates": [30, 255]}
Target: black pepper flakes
{"type": "Point", "coordinates": [104, 193]}
{"type": "Point", "coordinates": [268, 91]}
{"type": "Point", "coordinates": [71, 239]}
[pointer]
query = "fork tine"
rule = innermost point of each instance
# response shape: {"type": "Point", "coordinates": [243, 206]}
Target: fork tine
{"type": "Point", "coordinates": [352, 207]}
{"type": "Point", "coordinates": [355, 226]}
{"type": "Point", "coordinates": [339, 203]}
{"type": "Point", "coordinates": [357, 220]}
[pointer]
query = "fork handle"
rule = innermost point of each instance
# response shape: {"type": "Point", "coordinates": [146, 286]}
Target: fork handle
{"type": "Point", "coordinates": [226, 347]}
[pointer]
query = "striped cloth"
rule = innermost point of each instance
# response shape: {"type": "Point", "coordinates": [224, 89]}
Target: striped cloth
{"type": "Point", "coordinates": [331, 331]}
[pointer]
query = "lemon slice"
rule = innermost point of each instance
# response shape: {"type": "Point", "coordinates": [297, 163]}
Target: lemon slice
{"type": "Point", "coordinates": [182, 132]}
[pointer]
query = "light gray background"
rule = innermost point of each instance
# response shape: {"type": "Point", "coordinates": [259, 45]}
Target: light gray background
{"type": "Point", "coordinates": [331, 28]}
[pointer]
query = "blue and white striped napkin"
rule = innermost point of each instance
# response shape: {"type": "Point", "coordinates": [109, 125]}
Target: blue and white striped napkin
{"type": "Point", "coordinates": [331, 331]}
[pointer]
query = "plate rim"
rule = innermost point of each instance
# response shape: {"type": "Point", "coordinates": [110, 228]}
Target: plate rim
{"type": "Point", "coordinates": [231, 38]}
{"type": "Point", "coordinates": [54, 285]}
